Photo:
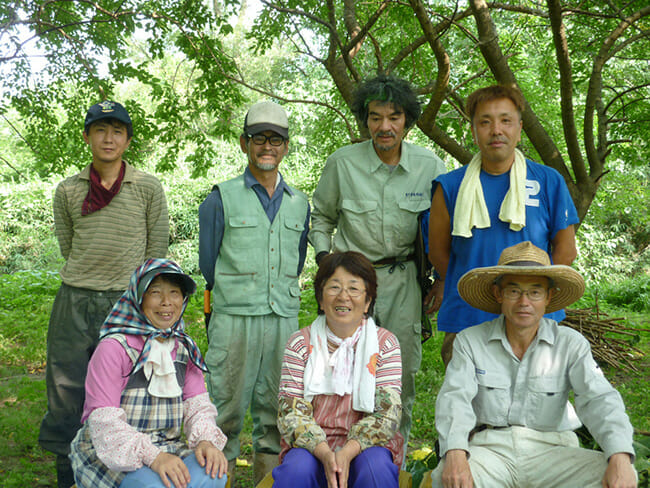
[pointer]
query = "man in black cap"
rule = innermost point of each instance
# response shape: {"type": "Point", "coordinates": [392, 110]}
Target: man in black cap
{"type": "Point", "coordinates": [252, 246]}
{"type": "Point", "coordinates": [108, 218]}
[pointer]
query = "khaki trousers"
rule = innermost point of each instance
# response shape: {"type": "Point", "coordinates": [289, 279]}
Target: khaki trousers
{"type": "Point", "coordinates": [519, 457]}
{"type": "Point", "coordinates": [398, 309]}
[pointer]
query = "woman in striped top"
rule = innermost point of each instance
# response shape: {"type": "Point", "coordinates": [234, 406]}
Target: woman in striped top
{"type": "Point", "coordinates": [340, 388]}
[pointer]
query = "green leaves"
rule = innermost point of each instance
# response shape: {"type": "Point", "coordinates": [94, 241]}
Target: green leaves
{"type": "Point", "coordinates": [193, 70]}
{"type": "Point", "coordinates": [420, 462]}
{"type": "Point", "coordinates": [91, 49]}
{"type": "Point", "coordinates": [642, 463]}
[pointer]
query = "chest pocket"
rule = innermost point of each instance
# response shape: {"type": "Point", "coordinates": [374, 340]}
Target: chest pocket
{"type": "Point", "coordinates": [291, 233]}
{"type": "Point", "coordinates": [407, 223]}
{"type": "Point", "coordinates": [238, 233]}
{"type": "Point", "coordinates": [492, 402]}
{"type": "Point", "coordinates": [548, 396]}
{"type": "Point", "coordinates": [360, 216]}
{"type": "Point", "coordinates": [358, 206]}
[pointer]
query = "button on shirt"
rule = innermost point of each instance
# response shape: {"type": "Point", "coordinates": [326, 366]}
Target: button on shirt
{"type": "Point", "coordinates": [486, 383]}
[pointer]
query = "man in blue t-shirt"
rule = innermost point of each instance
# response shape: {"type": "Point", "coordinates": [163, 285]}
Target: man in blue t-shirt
{"type": "Point", "coordinates": [497, 200]}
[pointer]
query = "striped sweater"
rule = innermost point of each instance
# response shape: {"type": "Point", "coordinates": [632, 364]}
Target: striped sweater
{"type": "Point", "coordinates": [330, 418]}
{"type": "Point", "coordinates": [103, 248]}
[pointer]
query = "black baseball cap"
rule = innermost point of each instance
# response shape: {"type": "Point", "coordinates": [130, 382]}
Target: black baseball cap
{"type": "Point", "coordinates": [185, 281]}
{"type": "Point", "coordinates": [108, 110]}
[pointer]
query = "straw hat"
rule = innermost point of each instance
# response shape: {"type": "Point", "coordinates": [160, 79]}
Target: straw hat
{"type": "Point", "coordinates": [525, 259]}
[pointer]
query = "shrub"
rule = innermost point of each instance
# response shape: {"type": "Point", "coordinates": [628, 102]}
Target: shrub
{"type": "Point", "coordinates": [632, 294]}
{"type": "Point", "coordinates": [27, 227]}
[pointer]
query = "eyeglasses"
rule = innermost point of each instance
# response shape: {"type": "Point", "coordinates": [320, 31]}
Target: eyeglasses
{"type": "Point", "coordinates": [260, 139]}
{"type": "Point", "coordinates": [335, 290]}
{"type": "Point", "coordinates": [534, 294]}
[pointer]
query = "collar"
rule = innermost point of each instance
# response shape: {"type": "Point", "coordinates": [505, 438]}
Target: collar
{"type": "Point", "coordinates": [546, 332]}
{"type": "Point", "coordinates": [129, 171]}
{"type": "Point", "coordinates": [377, 163]}
{"type": "Point", "coordinates": [250, 181]}
{"type": "Point", "coordinates": [498, 330]}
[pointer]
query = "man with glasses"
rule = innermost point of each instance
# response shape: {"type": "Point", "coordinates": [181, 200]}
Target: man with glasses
{"type": "Point", "coordinates": [502, 413]}
{"type": "Point", "coordinates": [252, 246]}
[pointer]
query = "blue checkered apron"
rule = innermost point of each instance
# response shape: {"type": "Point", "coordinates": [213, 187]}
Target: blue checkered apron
{"type": "Point", "coordinates": [160, 418]}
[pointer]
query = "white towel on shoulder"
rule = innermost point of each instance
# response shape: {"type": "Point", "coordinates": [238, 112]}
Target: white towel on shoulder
{"type": "Point", "coordinates": [471, 211]}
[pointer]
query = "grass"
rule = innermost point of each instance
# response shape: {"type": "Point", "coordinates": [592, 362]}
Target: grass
{"type": "Point", "coordinates": [27, 298]}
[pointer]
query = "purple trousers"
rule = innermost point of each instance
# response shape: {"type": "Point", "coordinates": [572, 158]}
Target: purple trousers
{"type": "Point", "coordinates": [373, 468]}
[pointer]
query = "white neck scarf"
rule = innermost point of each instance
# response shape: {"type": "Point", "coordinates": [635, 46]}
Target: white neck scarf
{"type": "Point", "coordinates": [160, 371]}
{"type": "Point", "coordinates": [470, 210]}
{"type": "Point", "coordinates": [346, 370]}
{"type": "Point", "coordinates": [341, 361]}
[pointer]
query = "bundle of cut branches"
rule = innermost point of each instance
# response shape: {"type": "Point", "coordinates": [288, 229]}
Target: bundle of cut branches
{"type": "Point", "coordinates": [611, 341]}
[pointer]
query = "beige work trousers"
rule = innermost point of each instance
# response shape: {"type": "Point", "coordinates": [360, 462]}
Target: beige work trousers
{"type": "Point", "coordinates": [520, 457]}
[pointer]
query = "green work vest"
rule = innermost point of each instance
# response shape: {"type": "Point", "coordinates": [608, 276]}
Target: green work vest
{"type": "Point", "coordinates": [256, 270]}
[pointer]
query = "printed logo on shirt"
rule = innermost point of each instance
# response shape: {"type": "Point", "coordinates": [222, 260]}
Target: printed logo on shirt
{"type": "Point", "coordinates": [479, 371]}
{"type": "Point", "coordinates": [532, 190]}
{"type": "Point", "coordinates": [414, 194]}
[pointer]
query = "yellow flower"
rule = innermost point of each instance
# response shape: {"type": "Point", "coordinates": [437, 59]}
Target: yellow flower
{"type": "Point", "coordinates": [421, 454]}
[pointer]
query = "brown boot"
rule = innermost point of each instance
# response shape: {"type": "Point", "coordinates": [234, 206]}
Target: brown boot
{"type": "Point", "coordinates": [262, 464]}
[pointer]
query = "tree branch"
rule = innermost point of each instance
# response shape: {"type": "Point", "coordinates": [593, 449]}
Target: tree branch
{"type": "Point", "coordinates": [11, 166]}
{"type": "Point", "coordinates": [566, 90]}
{"type": "Point", "coordinates": [357, 34]}
{"type": "Point", "coordinates": [405, 52]}
{"type": "Point", "coordinates": [594, 104]}
{"type": "Point", "coordinates": [625, 92]}
{"type": "Point", "coordinates": [498, 64]}
{"type": "Point", "coordinates": [428, 117]}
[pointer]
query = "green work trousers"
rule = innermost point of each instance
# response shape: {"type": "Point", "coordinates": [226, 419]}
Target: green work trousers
{"type": "Point", "coordinates": [72, 335]}
{"type": "Point", "coordinates": [398, 309]}
{"type": "Point", "coordinates": [245, 357]}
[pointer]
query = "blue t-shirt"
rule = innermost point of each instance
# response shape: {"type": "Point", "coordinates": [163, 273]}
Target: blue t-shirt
{"type": "Point", "coordinates": [549, 208]}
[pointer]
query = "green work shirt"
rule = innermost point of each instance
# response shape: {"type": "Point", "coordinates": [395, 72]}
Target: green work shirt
{"type": "Point", "coordinates": [373, 206]}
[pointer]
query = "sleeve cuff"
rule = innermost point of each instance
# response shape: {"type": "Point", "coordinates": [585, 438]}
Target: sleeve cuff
{"type": "Point", "coordinates": [455, 442]}
{"type": "Point", "coordinates": [616, 447]}
{"type": "Point", "coordinates": [310, 444]}
{"type": "Point", "coordinates": [149, 454]}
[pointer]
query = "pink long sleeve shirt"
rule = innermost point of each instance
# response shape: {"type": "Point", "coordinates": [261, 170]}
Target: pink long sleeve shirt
{"type": "Point", "coordinates": [118, 444]}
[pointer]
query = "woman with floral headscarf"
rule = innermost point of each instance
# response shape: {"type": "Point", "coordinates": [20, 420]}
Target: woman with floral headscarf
{"type": "Point", "coordinates": [144, 384]}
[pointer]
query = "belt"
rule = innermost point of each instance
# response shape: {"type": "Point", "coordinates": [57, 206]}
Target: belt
{"type": "Point", "coordinates": [482, 427]}
{"type": "Point", "coordinates": [394, 260]}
